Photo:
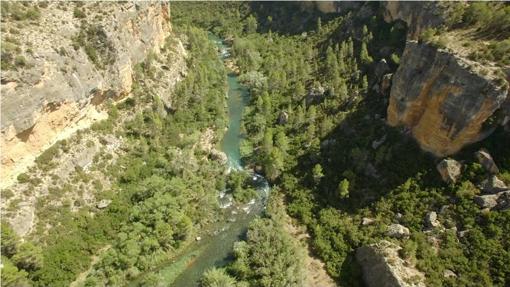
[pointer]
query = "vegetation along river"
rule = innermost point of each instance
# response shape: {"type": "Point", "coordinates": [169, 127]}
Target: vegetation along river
{"type": "Point", "coordinates": [215, 250]}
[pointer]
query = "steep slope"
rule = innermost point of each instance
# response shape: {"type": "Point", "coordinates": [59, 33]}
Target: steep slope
{"type": "Point", "coordinates": [61, 61]}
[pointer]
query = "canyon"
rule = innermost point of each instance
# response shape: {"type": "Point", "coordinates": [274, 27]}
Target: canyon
{"type": "Point", "coordinates": [132, 154]}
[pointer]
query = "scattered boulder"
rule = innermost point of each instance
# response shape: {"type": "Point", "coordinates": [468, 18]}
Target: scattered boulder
{"type": "Point", "coordinates": [493, 185]}
{"type": "Point", "coordinates": [283, 118]}
{"type": "Point", "coordinates": [447, 273]}
{"type": "Point", "coordinates": [487, 201]}
{"type": "Point", "coordinates": [499, 201]}
{"type": "Point", "coordinates": [449, 169]}
{"type": "Point", "coordinates": [462, 233]}
{"type": "Point", "coordinates": [103, 203]}
{"type": "Point", "coordinates": [486, 160]}
{"type": "Point", "coordinates": [503, 200]}
{"type": "Point", "coordinates": [367, 221]}
{"type": "Point", "coordinates": [397, 231]}
{"type": "Point", "coordinates": [431, 219]}
{"type": "Point", "coordinates": [219, 156]}
{"type": "Point", "coordinates": [315, 95]}
{"type": "Point", "coordinates": [382, 267]}
{"type": "Point", "coordinates": [198, 238]}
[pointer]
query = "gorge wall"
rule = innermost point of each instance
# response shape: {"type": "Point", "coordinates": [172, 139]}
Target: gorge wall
{"type": "Point", "coordinates": [73, 57]}
{"type": "Point", "coordinates": [442, 99]}
{"type": "Point", "coordinates": [441, 96]}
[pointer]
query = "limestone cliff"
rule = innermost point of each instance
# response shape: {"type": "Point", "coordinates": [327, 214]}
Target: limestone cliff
{"type": "Point", "coordinates": [443, 97]}
{"type": "Point", "coordinates": [69, 60]}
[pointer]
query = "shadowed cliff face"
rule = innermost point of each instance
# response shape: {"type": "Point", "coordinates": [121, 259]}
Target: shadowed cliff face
{"type": "Point", "coordinates": [417, 15]}
{"type": "Point", "coordinates": [442, 99]}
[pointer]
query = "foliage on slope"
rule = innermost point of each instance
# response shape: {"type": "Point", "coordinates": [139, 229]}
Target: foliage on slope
{"type": "Point", "coordinates": [322, 155]}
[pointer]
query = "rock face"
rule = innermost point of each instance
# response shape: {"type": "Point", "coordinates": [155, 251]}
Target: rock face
{"type": "Point", "coordinates": [417, 15]}
{"type": "Point", "coordinates": [61, 88]}
{"type": "Point", "coordinates": [441, 100]}
{"type": "Point", "coordinates": [382, 267]}
{"type": "Point", "coordinates": [449, 169]}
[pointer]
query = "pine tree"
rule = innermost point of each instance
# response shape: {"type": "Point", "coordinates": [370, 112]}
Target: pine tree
{"type": "Point", "coordinates": [343, 188]}
{"type": "Point", "coordinates": [251, 24]}
{"type": "Point", "coordinates": [364, 84]}
{"type": "Point", "coordinates": [364, 56]}
{"type": "Point", "coordinates": [317, 173]}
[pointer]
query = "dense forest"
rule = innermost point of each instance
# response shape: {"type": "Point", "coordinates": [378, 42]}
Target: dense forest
{"type": "Point", "coordinates": [310, 127]}
{"type": "Point", "coordinates": [314, 127]}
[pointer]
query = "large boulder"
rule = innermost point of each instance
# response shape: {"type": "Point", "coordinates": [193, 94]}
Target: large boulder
{"type": "Point", "coordinates": [485, 159]}
{"type": "Point", "coordinates": [397, 231]}
{"type": "Point", "coordinates": [283, 118]}
{"type": "Point", "coordinates": [449, 169]}
{"type": "Point", "coordinates": [498, 201]}
{"type": "Point", "coordinates": [382, 267]}
{"type": "Point", "coordinates": [487, 201]}
{"type": "Point", "coordinates": [493, 185]}
{"type": "Point", "coordinates": [431, 219]}
{"type": "Point", "coordinates": [103, 203]}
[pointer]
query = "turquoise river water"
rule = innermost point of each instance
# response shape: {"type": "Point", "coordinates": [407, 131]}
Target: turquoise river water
{"type": "Point", "coordinates": [215, 250]}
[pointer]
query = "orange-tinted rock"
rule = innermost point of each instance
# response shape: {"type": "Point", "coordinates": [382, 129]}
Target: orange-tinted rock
{"type": "Point", "coordinates": [442, 100]}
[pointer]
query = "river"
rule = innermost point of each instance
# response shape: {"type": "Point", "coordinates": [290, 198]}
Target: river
{"type": "Point", "coordinates": [215, 250]}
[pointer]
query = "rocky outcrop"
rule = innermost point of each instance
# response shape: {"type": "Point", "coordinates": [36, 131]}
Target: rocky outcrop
{"type": "Point", "coordinates": [382, 266]}
{"type": "Point", "coordinates": [445, 100]}
{"type": "Point", "coordinates": [61, 87]}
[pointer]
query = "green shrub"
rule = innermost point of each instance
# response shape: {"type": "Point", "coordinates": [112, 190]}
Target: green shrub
{"type": "Point", "coordinates": [20, 61]}
{"type": "Point", "coordinates": [23, 178]}
{"type": "Point", "coordinates": [78, 13]}
{"type": "Point", "coordinates": [395, 59]}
